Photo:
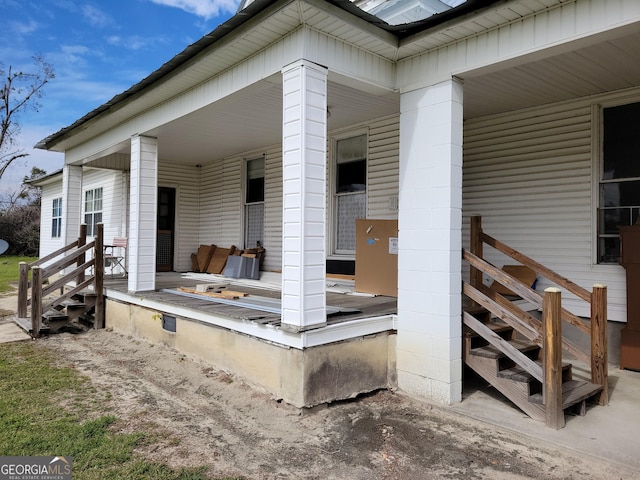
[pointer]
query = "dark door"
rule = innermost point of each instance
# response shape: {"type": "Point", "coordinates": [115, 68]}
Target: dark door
{"type": "Point", "coordinates": [166, 225]}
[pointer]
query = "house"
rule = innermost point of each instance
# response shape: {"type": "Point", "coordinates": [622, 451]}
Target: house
{"type": "Point", "coordinates": [296, 117]}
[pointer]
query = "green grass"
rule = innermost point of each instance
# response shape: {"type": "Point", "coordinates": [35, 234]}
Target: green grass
{"type": "Point", "coordinates": [9, 271]}
{"type": "Point", "coordinates": [49, 410]}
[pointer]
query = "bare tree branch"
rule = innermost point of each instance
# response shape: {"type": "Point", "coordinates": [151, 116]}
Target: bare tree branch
{"type": "Point", "coordinates": [19, 91]}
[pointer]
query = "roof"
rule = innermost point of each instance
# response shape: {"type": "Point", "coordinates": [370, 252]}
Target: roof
{"type": "Point", "coordinates": [240, 18]}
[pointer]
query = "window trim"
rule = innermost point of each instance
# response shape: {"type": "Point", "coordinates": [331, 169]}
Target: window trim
{"type": "Point", "coordinates": [56, 220]}
{"type": "Point", "coordinates": [90, 225]}
{"type": "Point", "coordinates": [332, 210]}
{"type": "Point", "coordinates": [597, 149]}
{"type": "Point", "coordinates": [245, 203]}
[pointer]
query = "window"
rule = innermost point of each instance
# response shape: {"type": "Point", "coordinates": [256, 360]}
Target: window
{"type": "Point", "coordinates": [619, 183]}
{"type": "Point", "coordinates": [350, 198]}
{"type": "Point", "coordinates": [92, 210]}
{"type": "Point", "coordinates": [56, 218]}
{"type": "Point", "coordinates": [254, 203]}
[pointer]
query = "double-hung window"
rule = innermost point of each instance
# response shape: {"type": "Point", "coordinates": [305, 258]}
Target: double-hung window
{"type": "Point", "coordinates": [56, 218]}
{"type": "Point", "coordinates": [92, 210]}
{"type": "Point", "coordinates": [350, 197]}
{"type": "Point", "coordinates": [619, 182]}
{"type": "Point", "coordinates": [254, 203]}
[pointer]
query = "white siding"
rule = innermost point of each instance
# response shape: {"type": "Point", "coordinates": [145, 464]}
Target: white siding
{"type": "Point", "coordinates": [185, 180]}
{"type": "Point", "coordinates": [529, 174]}
{"type": "Point", "coordinates": [221, 203]}
{"type": "Point", "coordinates": [114, 198]}
{"type": "Point", "coordinates": [273, 210]}
{"type": "Point", "coordinates": [210, 201]}
{"type": "Point", "coordinates": [49, 244]}
{"type": "Point", "coordinates": [221, 189]}
{"type": "Point", "coordinates": [383, 174]}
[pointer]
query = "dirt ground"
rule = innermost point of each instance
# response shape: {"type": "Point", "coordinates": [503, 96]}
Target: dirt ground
{"type": "Point", "coordinates": [208, 417]}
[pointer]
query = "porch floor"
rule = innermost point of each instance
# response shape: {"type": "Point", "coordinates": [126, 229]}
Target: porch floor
{"type": "Point", "coordinates": [340, 296]}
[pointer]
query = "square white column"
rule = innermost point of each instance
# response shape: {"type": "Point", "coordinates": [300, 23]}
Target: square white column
{"type": "Point", "coordinates": [429, 343]}
{"type": "Point", "coordinates": [143, 194]}
{"type": "Point", "coordinates": [304, 158]}
{"type": "Point", "coordinates": [71, 202]}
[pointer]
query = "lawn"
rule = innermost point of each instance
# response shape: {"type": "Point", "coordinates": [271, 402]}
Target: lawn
{"type": "Point", "coordinates": [50, 410]}
{"type": "Point", "coordinates": [9, 271]}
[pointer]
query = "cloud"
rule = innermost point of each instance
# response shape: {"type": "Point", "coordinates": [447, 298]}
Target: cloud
{"type": "Point", "coordinates": [135, 42]}
{"type": "Point", "coordinates": [96, 17]}
{"type": "Point", "coordinates": [24, 28]}
{"type": "Point", "coordinates": [202, 8]}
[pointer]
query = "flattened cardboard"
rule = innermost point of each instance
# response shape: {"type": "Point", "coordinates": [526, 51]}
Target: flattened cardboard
{"type": "Point", "coordinates": [377, 257]}
{"type": "Point", "coordinates": [219, 259]}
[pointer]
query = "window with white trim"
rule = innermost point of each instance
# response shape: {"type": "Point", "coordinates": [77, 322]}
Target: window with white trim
{"type": "Point", "coordinates": [619, 178]}
{"type": "Point", "coordinates": [92, 210]}
{"type": "Point", "coordinates": [254, 203]}
{"type": "Point", "coordinates": [56, 218]}
{"type": "Point", "coordinates": [350, 191]}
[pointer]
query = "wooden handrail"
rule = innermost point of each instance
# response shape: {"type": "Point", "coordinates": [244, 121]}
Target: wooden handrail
{"type": "Point", "coordinates": [505, 347]}
{"type": "Point", "coordinates": [556, 278]}
{"type": "Point", "coordinates": [52, 255]}
{"type": "Point", "coordinates": [526, 324]}
{"type": "Point", "coordinates": [517, 287]}
{"type": "Point", "coordinates": [41, 275]}
{"type": "Point", "coordinates": [64, 262]}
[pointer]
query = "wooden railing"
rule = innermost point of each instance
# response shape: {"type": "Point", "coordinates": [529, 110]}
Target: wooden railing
{"type": "Point", "coordinates": [42, 288]}
{"type": "Point", "coordinates": [546, 333]}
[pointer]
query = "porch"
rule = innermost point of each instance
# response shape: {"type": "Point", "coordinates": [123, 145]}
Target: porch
{"type": "Point", "coordinates": [353, 353]}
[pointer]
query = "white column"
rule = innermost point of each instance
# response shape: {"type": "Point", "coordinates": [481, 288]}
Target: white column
{"type": "Point", "coordinates": [143, 194]}
{"type": "Point", "coordinates": [71, 202]}
{"type": "Point", "coordinates": [304, 157]}
{"type": "Point", "coordinates": [429, 344]}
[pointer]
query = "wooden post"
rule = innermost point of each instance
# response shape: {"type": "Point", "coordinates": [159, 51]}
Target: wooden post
{"type": "Point", "coordinates": [36, 302]}
{"type": "Point", "coordinates": [23, 289]}
{"type": "Point", "coordinates": [552, 360]}
{"type": "Point", "coordinates": [475, 247]}
{"type": "Point", "coordinates": [82, 240]}
{"type": "Point", "coordinates": [99, 277]}
{"type": "Point", "coordinates": [599, 350]}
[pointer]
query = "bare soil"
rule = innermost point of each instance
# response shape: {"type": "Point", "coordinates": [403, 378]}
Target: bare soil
{"type": "Point", "coordinates": [202, 416]}
{"type": "Point", "coordinates": [198, 415]}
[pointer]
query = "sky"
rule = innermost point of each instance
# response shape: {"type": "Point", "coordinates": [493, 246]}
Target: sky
{"type": "Point", "coordinates": [98, 49]}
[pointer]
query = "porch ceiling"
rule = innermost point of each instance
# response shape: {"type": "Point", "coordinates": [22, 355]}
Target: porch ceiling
{"type": "Point", "coordinates": [591, 66]}
{"type": "Point", "coordinates": [252, 119]}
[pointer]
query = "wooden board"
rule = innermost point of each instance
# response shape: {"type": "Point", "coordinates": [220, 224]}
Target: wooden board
{"type": "Point", "coordinates": [228, 294]}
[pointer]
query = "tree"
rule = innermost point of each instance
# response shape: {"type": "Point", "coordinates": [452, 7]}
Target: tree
{"type": "Point", "coordinates": [19, 92]}
{"type": "Point", "coordinates": [20, 217]}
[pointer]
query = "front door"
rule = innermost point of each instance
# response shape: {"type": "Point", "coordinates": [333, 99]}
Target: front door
{"type": "Point", "coordinates": [166, 224]}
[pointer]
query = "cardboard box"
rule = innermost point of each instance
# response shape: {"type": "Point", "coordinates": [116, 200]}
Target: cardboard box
{"type": "Point", "coordinates": [377, 257]}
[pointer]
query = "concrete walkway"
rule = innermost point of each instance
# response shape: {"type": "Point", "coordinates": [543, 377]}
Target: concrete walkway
{"type": "Point", "coordinates": [609, 432]}
{"type": "Point", "coordinates": [9, 331]}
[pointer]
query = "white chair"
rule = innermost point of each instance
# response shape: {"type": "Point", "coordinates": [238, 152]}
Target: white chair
{"type": "Point", "coordinates": [115, 255]}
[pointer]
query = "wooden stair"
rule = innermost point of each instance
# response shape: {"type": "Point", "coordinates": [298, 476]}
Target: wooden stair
{"type": "Point", "coordinates": [76, 314]}
{"type": "Point", "coordinates": [513, 381]}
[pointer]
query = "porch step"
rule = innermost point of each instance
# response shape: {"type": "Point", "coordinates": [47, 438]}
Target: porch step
{"type": "Point", "coordinates": [519, 374]}
{"type": "Point", "coordinates": [489, 351]}
{"type": "Point", "coordinates": [573, 392]}
{"type": "Point", "coordinates": [25, 324]}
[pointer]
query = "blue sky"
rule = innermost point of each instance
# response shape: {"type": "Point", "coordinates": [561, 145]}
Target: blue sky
{"type": "Point", "coordinates": [98, 49]}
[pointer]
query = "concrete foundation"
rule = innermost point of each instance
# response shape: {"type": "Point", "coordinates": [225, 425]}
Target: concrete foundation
{"type": "Point", "coordinates": [301, 377]}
